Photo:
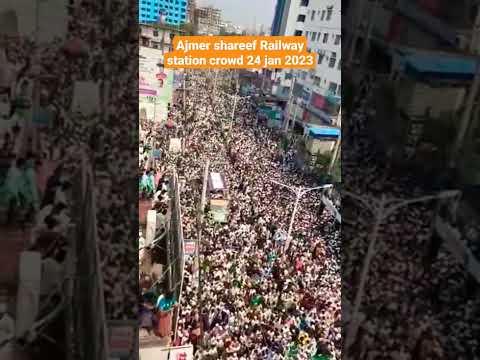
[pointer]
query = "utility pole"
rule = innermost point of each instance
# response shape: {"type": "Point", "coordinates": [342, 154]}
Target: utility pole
{"type": "Point", "coordinates": [333, 160]}
{"type": "Point", "coordinates": [200, 221]}
{"type": "Point", "coordinates": [184, 94]}
{"type": "Point", "coordinates": [36, 84]}
{"type": "Point", "coordinates": [290, 100]}
{"type": "Point", "coordinates": [233, 109]}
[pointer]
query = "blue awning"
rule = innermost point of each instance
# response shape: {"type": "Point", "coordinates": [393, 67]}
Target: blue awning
{"type": "Point", "coordinates": [321, 132]}
{"type": "Point", "coordinates": [452, 68]}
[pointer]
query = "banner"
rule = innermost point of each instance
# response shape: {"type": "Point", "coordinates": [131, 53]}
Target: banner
{"type": "Point", "coordinates": [163, 353]}
{"type": "Point", "coordinates": [189, 247]}
{"type": "Point", "coordinates": [155, 84]}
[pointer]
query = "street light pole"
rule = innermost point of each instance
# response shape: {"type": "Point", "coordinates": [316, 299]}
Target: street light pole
{"type": "Point", "coordinates": [381, 209]}
{"type": "Point", "coordinates": [299, 192]}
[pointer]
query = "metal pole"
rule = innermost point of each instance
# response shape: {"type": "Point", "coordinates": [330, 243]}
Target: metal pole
{"type": "Point", "coordinates": [292, 219]}
{"type": "Point", "coordinates": [201, 215]}
{"type": "Point", "coordinates": [36, 85]}
{"type": "Point", "coordinates": [287, 118]}
{"type": "Point", "coordinates": [294, 116]}
{"type": "Point", "coordinates": [184, 95]}
{"type": "Point", "coordinates": [353, 325]}
{"type": "Point", "coordinates": [334, 155]}
{"type": "Point", "coordinates": [381, 212]}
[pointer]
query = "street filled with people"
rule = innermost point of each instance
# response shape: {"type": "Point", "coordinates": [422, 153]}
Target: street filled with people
{"type": "Point", "coordinates": [419, 302]}
{"type": "Point", "coordinates": [251, 300]}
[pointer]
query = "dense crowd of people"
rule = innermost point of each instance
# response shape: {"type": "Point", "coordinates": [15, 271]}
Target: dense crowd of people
{"type": "Point", "coordinates": [252, 300]}
{"type": "Point", "coordinates": [418, 302]}
{"type": "Point", "coordinates": [52, 155]}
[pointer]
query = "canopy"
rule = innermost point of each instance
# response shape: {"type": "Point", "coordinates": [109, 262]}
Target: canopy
{"type": "Point", "coordinates": [446, 67]}
{"type": "Point", "coordinates": [321, 132]}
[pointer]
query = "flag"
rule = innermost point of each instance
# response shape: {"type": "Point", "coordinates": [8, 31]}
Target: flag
{"type": "Point", "coordinates": [292, 351]}
{"type": "Point", "coordinates": [321, 357]}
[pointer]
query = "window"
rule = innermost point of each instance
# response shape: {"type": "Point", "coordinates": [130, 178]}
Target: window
{"type": "Point", "coordinates": [316, 81]}
{"type": "Point", "coordinates": [325, 38]}
{"type": "Point", "coordinates": [314, 35]}
{"type": "Point", "coordinates": [306, 33]}
{"type": "Point", "coordinates": [298, 33]}
{"type": "Point", "coordinates": [304, 3]}
{"type": "Point", "coordinates": [337, 39]}
{"type": "Point", "coordinates": [313, 15]}
{"type": "Point", "coordinates": [333, 60]}
{"type": "Point", "coordinates": [323, 15]}
{"type": "Point", "coordinates": [329, 12]}
{"type": "Point", "coordinates": [339, 64]}
{"type": "Point", "coordinates": [332, 87]}
{"type": "Point", "coordinates": [339, 90]}
{"type": "Point", "coordinates": [320, 58]}
{"type": "Point", "coordinates": [301, 18]}
{"type": "Point", "coordinates": [155, 33]}
{"type": "Point", "coordinates": [318, 36]}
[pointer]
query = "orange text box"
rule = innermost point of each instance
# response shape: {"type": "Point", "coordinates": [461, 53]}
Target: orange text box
{"type": "Point", "coordinates": [240, 52]}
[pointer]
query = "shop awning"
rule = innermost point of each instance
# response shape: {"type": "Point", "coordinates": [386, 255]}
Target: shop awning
{"type": "Point", "coordinates": [322, 132]}
{"type": "Point", "coordinates": [447, 67]}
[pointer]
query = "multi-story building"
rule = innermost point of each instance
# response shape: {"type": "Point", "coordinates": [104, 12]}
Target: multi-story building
{"type": "Point", "coordinates": [155, 82]}
{"type": "Point", "coordinates": [208, 20]}
{"type": "Point", "coordinates": [285, 18]}
{"type": "Point", "coordinates": [172, 12]}
{"type": "Point", "coordinates": [317, 93]}
{"type": "Point", "coordinates": [228, 28]}
{"type": "Point", "coordinates": [192, 5]}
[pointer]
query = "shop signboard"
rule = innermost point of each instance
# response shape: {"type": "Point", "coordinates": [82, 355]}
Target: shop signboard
{"type": "Point", "coordinates": [155, 84]}
{"type": "Point", "coordinates": [189, 247]}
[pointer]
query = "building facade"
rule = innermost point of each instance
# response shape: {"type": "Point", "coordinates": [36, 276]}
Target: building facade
{"type": "Point", "coordinates": [192, 5]}
{"type": "Point", "coordinates": [208, 20]}
{"type": "Point", "coordinates": [172, 12]}
{"type": "Point", "coordinates": [316, 92]}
